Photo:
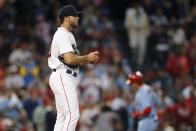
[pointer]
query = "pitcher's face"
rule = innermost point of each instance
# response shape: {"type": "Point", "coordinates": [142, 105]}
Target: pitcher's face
{"type": "Point", "coordinates": [73, 21]}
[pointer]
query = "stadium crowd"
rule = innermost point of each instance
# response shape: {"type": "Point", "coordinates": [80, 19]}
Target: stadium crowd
{"type": "Point", "coordinates": [157, 37]}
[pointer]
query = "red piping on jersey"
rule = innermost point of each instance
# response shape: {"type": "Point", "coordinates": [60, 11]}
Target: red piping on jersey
{"type": "Point", "coordinates": [67, 101]}
{"type": "Point", "coordinates": [145, 112]}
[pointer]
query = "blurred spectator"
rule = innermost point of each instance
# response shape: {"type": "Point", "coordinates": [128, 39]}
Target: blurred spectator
{"type": "Point", "coordinates": [29, 71]}
{"type": "Point", "coordinates": [39, 115]}
{"type": "Point", "coordinates": [91, 86]}
{"type": "Point", "coordinates": [159, 18]}
{"type": "Point", "coordinates": [21, 54]}
{"type": "Point", "coordinates": [191, 51]}
{"type": "Point", "coordinates": [120, 78]}
{"type": "Point", "coordinates": [13, 79]}
{"type": "Point", "coordinates": [42, 29]}
{"type": "Point", "coordinates": [88, 116]}
{"type": "Point", "coordinates": [118, 102]}
{"type": "Point", "coordinates": [137, 25]}
{"type": "Point", "coordinates": [158, 47]}
{"type": "Point", "coordinates": [31, 103]}
{"type": "Point", "coordinates": [168, 127]}
{"type": "Point", "coordinates": [108, 120]}
{"type": "Point", "coordinates": [178, 63]}
{"type": "Point", "coordinates": [176, 32]}
{"type": "Point", "coordinates": [50, 116]}
{"type": "Point", "coordinates": [2, 76]}
{"type": "Point", "coordinates": [27, 126]}
{"type": "Point", "coordinates": [164, 81]}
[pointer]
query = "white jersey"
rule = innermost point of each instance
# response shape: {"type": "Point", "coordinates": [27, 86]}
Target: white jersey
{"type": "Point", "coordinates": [63, 42]}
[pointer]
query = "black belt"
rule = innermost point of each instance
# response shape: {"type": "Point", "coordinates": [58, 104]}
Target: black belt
{"type": "Point", "coordinates": [68, 71]}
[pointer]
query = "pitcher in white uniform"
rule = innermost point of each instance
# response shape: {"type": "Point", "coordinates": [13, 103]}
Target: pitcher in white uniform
{"type": "Point", "coordinates": [64, 60]}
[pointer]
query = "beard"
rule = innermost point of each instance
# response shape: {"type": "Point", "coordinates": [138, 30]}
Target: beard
{"type": "Point", "coordinates": [74, 24]}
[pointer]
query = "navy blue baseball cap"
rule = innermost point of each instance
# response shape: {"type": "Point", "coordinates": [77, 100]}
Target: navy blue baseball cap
{"type": "Point", "coordinates": [68, 10]}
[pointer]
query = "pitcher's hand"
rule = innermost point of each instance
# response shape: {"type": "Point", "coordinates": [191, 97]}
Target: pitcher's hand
{"type": "Point", "coordinates": [93, 57]}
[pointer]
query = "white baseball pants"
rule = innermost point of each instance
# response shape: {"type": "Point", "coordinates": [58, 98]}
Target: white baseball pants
{"type": "Point", "coordinates": [64, 87]}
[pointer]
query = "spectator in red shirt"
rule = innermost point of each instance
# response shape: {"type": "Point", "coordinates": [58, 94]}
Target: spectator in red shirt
{"type": "Point", "coordinates": [177, 63]}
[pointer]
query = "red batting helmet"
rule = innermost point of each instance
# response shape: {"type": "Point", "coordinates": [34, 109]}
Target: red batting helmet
{"type": "Point", "coordinates": [136, 77]}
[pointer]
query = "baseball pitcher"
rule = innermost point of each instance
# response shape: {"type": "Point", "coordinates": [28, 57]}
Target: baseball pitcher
{"type": "Point", "coordinates": [64, 60]}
